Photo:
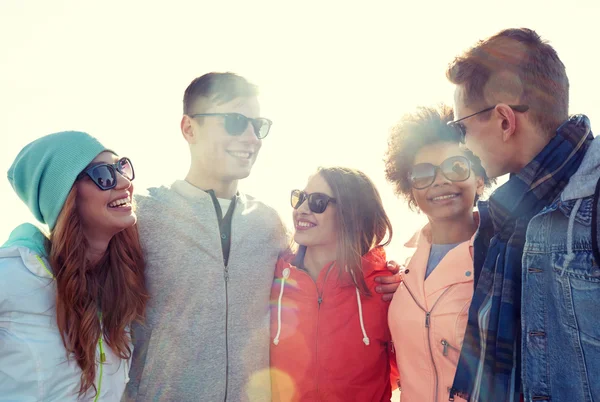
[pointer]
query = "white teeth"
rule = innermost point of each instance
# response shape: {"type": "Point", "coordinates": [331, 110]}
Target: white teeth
{"type": "Point", "coordinates": [305, 224]}
{"type": "Point", "coordinates": [444, 197]}
{"type": "Point", "coordinates": [119, 203]}
{"type": "Point", "coordinates": [237, 154]}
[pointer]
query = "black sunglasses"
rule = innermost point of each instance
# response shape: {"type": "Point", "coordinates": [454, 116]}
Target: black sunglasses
{"type": "Point", "coordinates": [236, 123]}
{"type": "Point", "coordinates": [462, 130]}
{"type": "Point", "coordinates": [105, 174]}
{"type": "Point", "coordinates": [317, 202]}
{"type": "Point", "coordinates": [455, 168]}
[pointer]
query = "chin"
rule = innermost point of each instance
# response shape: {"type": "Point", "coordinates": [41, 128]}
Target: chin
{"type": "Point", "coordinates": [125, 223]}
{"type": "Point", "coordinates": [301, 240]}
{"type": "Point", "coordinates": [239, 174]}
{"type": "Point", "coordinates": [449, 213]}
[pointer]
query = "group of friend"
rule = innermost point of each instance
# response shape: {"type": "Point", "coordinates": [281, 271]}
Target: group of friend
{"type": "Point", "coordinates": [196, 292]}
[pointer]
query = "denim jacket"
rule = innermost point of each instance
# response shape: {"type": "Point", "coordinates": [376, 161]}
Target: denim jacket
{"type": "Point", "coordinates": [561, 295]}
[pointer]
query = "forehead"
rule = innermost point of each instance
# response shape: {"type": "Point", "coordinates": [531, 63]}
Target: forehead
{"type": "Point", "coordinates": [248, 106]}
{"type": "Point", "coordinates": [317, 184]}
{"type": "Point", "coordinates": [438, 153]}
{"type": "Point", "coordinates": [105, 157]}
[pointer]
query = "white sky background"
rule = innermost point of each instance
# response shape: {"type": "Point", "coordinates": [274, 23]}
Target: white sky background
{"type": "Point", "coordinates": [334, 77]}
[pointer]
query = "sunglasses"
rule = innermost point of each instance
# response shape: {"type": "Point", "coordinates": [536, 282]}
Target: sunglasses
{"type": "Point", "coordinates": [236, 123]}
{"type": "Point", "coordinates": [462, 130]}
{"type": "Point", "coordinates": [105, 174]}
{"type": "Point", "coordinates": [455, 168]}
{"type": "Point", "coordinates": [317, 202]}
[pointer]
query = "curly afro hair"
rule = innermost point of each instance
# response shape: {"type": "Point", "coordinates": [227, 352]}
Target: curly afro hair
{"type": "Point", "coordinates": [414, 131]}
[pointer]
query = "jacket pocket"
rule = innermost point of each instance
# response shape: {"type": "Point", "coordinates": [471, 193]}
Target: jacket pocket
{"type": "Point", "coordinates": [450, 351]}
{"type": "Point", "coordinates": [578, 280]}
{"type": "Point", "coordinates": [576, 300]}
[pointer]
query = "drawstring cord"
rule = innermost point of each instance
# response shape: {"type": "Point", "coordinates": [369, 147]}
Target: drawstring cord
{"type": "Point", "coordinates": [365, 339]}
{"type": "Point", "coordinates": [570, 254]}
{"type": "Point", "coordinates": [286, 274]}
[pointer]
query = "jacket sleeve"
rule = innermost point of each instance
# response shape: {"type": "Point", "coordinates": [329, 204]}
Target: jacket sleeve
{"type": "Point", "coordinates": [17, 381]}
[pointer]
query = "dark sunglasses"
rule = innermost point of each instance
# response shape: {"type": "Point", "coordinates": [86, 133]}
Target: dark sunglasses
{"type": "Point", "coordinates": [236, 123]}
{"type": "Point", "coordinates": [462, 130]}
{"type": "Point", "coordinates": [105, 174]}
{"type": "Point", "coordinates": [455, 168]}
{"type": "Point", "coordinates": [317, 202]}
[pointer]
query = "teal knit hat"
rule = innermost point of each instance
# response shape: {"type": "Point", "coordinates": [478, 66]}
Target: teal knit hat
{"type": "Point", "coordinates": [45, 170]}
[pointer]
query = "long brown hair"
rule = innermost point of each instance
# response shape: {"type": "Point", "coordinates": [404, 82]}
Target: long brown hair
{"type": "Point", "coordinates": [114, 287]}
{"type": "Point", "coordinates": [362, 221]}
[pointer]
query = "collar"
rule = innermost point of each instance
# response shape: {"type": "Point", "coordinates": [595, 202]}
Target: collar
{"type": "Point", "coordinates": [424, 235]}
{"type": "Point", "coordinates": [542, 180]}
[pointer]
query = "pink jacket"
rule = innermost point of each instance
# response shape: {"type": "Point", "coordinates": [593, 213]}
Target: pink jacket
{"type": "Point", "coordinates": [427, 319]}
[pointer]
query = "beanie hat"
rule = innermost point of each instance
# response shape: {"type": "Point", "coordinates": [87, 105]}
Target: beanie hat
{"type": "Point", "coordinates": [45, 170]}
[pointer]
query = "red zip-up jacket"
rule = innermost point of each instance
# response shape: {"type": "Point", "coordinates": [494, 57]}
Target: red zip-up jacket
{"type": "Point", "coordinates": [328, 341]}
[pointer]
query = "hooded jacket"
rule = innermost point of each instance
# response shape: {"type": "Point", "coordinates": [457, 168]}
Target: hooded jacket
{"type": "Point", "coordinates": [561, 294]}
{"type": "Point", "coordinates": [329, 342]}
{"type": "Point", "coordinates": [33, 359]}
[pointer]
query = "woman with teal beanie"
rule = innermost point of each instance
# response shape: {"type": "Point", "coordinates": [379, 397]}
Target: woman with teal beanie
{"type": "Point", "coordinates": [67, 298]}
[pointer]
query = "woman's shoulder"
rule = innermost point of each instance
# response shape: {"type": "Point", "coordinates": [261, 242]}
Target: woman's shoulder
{"type": "Point", "coordinates": [25, 278]}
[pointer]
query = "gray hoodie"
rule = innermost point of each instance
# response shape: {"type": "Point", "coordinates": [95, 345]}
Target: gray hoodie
{"type": "Point", "coordinates": [583, 182]}
{"type": "Point", "coordinates": [206, 337]}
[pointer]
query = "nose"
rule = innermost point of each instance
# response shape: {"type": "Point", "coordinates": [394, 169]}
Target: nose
{"type": "Point", "coordinates": [249, 135]}
{"type": "Point", "coordinates": [439, 179]}
{"type": "Point", "coordinates": [123, 182]}
{"type": "Point", "coordinates": [303, 208]}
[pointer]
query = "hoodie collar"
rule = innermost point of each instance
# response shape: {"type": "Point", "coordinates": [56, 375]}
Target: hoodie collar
{"type": "Point", "coordinates": [583, 182]}
{"type": "Point", "coordinates": [374, 260]}
{"type": "Point", "coordinates": [28, 243]}
{"type": "Point", "coordinates": [193, 193]}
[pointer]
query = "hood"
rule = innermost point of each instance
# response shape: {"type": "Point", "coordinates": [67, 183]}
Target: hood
{"type": "Point", "coordinates": [583, 182]}
{"type": "Point", "coordinates": [374, 260]}
{"type": "Point", "coordinates": [27, 242]}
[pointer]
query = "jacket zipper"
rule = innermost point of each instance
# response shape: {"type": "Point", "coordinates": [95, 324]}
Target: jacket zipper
{"type": "Point", "coordinates": [427, 322]}
{"type": "Point", "coordinates": [226, 277]}
{"type": "Point", "coordinates": [102, 360]}
{"type": "Point", "coordinates": [447, 346]}
{"type": "Point", "coordinates": [319, 301]}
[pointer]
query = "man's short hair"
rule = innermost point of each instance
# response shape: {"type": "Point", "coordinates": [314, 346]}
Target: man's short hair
{"type": "Point", "coordinates": [515, 62]}
{"type": "Point", "coordinates": [217, 88]}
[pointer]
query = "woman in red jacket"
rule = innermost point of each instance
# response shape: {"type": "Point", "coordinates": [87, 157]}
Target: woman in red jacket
{"type": "Point", "coordinates": [329, 333]}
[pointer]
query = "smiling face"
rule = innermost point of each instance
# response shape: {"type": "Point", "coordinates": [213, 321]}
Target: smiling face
{"type": "Point", "coordinates": [313, 229]}
{"type": "Point", "coordinates": [105, 213]}
{"type": "Point", "coordinates": [216, 154]}
{"type": "Point", "coordinates": [445, 199]}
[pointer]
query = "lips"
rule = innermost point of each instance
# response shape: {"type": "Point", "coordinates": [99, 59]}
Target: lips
{"type": "Point", "coordinates": [241, 154]}
{"type": "Point", "coordinates": [304, 225]}
{"type": "Point", "coordinates": [120, 202]}
{"type": "Point", "coordinates": [445, 197]}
